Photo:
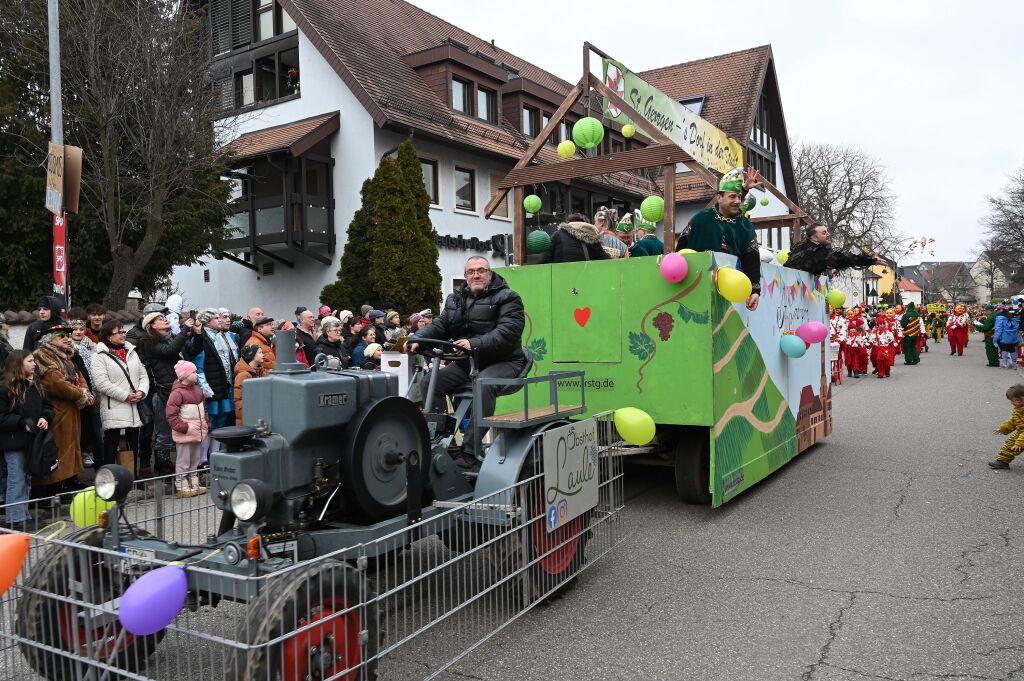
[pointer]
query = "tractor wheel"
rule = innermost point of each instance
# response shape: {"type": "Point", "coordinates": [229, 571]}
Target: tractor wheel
{"type": "Point", "coordinates": [47, 621]}
{"type": "Point", "coordinates": [325, 631]}
{"type": "Point", "coordinates": [693, 466]}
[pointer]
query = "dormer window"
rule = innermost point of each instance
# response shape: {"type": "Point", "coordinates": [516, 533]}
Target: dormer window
{"type": "Point", "coordinates": [460, 96]}
{"type": "Point", "coordinates": [487, 105]}
{"type": "Point", "coordinates": [531, 121]}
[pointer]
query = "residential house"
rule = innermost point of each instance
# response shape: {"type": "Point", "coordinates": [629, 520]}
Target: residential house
{"type": "Point", "coordinates": [910, 292]}
{"type": "Point", "coordinates": [739, 93]}
{"type": "Point", "coordinates": [319, 91]}
{"type": "Point", "coordinates": [995, 278]}
{"type": "Point", "coordinates": [948, 282]}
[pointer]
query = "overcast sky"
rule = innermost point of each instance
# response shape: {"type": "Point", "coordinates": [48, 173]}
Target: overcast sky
{"type": "Point", "coordinates": [933, 89]}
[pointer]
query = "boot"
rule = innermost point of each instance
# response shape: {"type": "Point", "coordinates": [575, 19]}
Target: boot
{"type": "Point", "coordinates": [197, 488]}
{"type": "Point", "coordinates": [145, 469]}
{"type": "Point", "coordinates": [182, 488]}
{"type": "Point", "coordinates": [164, 461]}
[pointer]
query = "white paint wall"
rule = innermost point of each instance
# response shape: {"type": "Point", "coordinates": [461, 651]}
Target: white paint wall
{"type": "Point", "coordinates": [352, 148]}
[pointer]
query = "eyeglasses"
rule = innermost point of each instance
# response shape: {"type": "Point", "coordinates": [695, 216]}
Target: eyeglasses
{"type": "Point", "coordinates": [60, 334]}
{"type": "Point", "coordinates": [479, 270]}
{"type": "Point", "coordinates": [118, 333]}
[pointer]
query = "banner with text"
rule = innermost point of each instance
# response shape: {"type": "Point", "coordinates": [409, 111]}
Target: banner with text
{"type": "Point", "coordinates": [570, 472]}
{"type": "Point", "coordinates": [60, 256]}
{"type": "Point", "coordinates": [708, 145]}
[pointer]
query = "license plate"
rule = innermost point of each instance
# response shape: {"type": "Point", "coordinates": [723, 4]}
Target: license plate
{"type": "Point", "coordinates": [135, 556]}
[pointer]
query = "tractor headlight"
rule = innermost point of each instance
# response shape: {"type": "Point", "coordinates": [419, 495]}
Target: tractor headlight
{"type": "Point", "coordinates": [113, 483]}
{"type": "Point", "coordinates": [251, 500]}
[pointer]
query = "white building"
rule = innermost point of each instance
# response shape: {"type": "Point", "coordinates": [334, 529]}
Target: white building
{"type": "Point", "coordinates": [319, 91]}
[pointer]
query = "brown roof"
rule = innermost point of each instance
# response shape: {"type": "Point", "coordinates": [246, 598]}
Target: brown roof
{"type": "Point", "coordinates": [366, 42]}
{"type": "Point", "coordinates": [907, 285]}
{"type": "Point", "coordinates": [295, 137]}
{"type": "Point", "coordinates": [730, 84]}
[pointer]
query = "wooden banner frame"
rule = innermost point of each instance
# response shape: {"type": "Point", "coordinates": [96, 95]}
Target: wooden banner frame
{"type": "Point", "coordinates": [663, 152]}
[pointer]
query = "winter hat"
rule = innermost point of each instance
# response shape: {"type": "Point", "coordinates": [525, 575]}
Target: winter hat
{"type": "Point", "coordinates": [155, 307]}
{"type": "Point", "coordinates": [365, 310]}
{"type": "Point", "coordinates": [175, 303]}
{"type": "Point", "coordinates": [300, 309]}
{"type": "Point", "coordinates": [149, 319]}
{"type": "Point", "coordinates": [248, 352]}
{"type": "Point", "coordinates": [263, 320]}
{"type": "Point", "coordinates": [325, 310]}
{"type": "Point", "coordinates": [370, 349]}
{"type": "Point", "coordinates": [344, 316]}
{"type": "Point", "coordinates": [206, 315]}
{"type": "Point", "coordinates": [413, 319]}
{"type": "Point", "coordinates": [427, 313]}
{"type": "Point", "coordinates": [329, 322]}
{"type": "Point", "coordinates": [391, 315]}
{"type": "Point", "coordinates": [374, 314]}
{"type": "Point", "coordinates": [183, 369]}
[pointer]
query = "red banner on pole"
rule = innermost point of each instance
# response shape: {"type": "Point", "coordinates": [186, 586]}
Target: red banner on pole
{"type": "Point", "coordinates": [60, 256]}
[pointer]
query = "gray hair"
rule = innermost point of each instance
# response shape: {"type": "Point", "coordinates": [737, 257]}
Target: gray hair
{"type": "Point", "coordinates": [477, 257]}
{"type": "Point", "coordinates": [224, 311]}
{"type": "Point", "coordinates": [328, 323]}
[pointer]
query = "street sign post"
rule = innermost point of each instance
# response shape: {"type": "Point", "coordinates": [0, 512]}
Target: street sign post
{"type": "Point", "coordinates": [55, 179]}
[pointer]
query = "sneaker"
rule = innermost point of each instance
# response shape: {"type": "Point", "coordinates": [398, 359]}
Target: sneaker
{"type": "Point", "coordinates": [998, 465]}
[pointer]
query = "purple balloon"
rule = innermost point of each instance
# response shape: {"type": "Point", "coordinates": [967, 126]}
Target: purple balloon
{"type": "Point", "coordinates": [154, 600]}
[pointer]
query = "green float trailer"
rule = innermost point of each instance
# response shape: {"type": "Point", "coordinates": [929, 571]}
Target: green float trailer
{"type": "Point", "coordinates": [730, 407]}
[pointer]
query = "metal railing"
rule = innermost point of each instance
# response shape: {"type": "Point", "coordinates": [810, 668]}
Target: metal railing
{"type": "Point", "coordinates": [411, 604]}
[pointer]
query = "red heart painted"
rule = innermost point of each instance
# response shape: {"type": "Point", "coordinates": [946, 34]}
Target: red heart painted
{"type": "Point", "coordinates": [582, 315]}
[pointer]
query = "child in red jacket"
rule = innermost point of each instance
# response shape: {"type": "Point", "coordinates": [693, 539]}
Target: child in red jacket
{"type": "Point", "coordinates": [190, 425]}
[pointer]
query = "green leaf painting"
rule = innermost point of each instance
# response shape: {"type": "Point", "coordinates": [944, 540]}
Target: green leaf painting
{"type": "Point", "coordinates": [539, 348]}
{"type": "Point", "coordinates": [688, 316]}
{"type": "Point", "coordinates": [641, 345]}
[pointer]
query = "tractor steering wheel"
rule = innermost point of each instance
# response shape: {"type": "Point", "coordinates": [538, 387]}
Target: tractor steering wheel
{"type": "Point", "coordinates": [459, 353]}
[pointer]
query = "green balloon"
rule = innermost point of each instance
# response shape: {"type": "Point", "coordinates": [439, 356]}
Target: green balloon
{"type": "Point", "coordinates": [532, 203]}
{"type": "Point", "coordinates": [538, 241]}
{"type": "Point", "coordinates": [587, 132]}
{"type": "Point", "coordinates": [835, 297]}
{"type": "Point", "coordinates": [764, 201]}
{"type": "Point", "coordinates": [653, 208]}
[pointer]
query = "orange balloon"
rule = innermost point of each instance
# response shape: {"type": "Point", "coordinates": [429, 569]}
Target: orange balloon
{"type": "Point", "coordinates": [13, 549]}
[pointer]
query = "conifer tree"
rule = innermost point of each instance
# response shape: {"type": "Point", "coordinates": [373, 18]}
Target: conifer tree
{"type": "Point", "coordinates": [354, 286]}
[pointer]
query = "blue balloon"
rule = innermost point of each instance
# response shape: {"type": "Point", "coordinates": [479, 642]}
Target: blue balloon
{"type": "Point", "coordinates": [793, 346]}
{"type": "Point", "coordinates": [154, 600]}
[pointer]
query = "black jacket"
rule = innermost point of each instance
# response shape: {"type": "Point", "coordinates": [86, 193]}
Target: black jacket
{"type": "Point", "coordinates": [160, 356]}
{"type": "Point", "coordinates": [243, 330]}
{"type": "Point", "coordinates": [575, 242]}
{"type": "Point", "coordinates": [13, 436]}
{"type": "Point", "coordinates": [339, 350]}
{"type": "Point", "coordinates": [308, 343]}
{"type": "Point", "coordinates": [55, 304]}
{"type": "Point", "coordinates": [492, 321]}
{"type": "Point", "coordinates": [220, 382]}
{"type": "Point", "coordinates": [816, 258]}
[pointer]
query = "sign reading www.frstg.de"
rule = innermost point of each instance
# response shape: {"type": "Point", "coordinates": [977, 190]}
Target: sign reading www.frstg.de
{"type": "Point", "coordinates": [570, 472]}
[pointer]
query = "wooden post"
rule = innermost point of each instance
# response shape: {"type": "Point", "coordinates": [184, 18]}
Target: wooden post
{"type": "Point", "coordinates": [519, 226]}
{"type": "Point", "coordinates": [669, 221]}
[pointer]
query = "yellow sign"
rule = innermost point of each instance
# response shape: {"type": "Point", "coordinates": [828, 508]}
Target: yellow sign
{"type": "Point", "coordinates": [708, 145]}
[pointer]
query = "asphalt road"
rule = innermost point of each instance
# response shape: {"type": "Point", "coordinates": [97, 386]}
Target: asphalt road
{"type": "Point", "coordinates": [891, 551]}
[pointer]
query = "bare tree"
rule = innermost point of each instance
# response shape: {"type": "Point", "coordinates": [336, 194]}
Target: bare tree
{"type": "Point", "coordinates": [848, 191]}
{"type": "Point", "coordinates": [1004, 224]}
{"type": "Point", "coordinates": [135, 79]}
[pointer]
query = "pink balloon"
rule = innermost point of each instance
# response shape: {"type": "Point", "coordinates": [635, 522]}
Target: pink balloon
{"type": "Point", "coordinates": [154, 600]}
{"type": "Point", "coordinates": [674, 267]}
{"type": "Point", "coordinates": [812, 332]}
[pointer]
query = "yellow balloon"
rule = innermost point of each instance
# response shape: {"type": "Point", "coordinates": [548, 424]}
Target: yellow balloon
{"type": "Point", "coordinates": [684, 251]}
{"type": "Point", "coordinates": [634, 425]}
{"type": "Point", "coordinates": [733, 285]}
{"type": "Point", "coordinates": [86, 508]}
{"type": "Point", "coordinates": [783, 256]}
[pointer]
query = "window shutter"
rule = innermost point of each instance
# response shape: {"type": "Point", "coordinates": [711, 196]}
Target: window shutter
{"type": "Point", "coordinates": [220, 25]}
{"type": "Point", "coordinates": [223, 89]}
{"type": "Point", "coordinates": [241, 22]}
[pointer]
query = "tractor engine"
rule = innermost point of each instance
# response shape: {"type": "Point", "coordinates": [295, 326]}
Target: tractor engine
{"type": "Point", "coordinates": [328, 446]}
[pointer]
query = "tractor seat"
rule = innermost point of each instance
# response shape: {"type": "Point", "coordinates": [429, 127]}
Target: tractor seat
{"type": "Point", "coordinates": [467, 390]}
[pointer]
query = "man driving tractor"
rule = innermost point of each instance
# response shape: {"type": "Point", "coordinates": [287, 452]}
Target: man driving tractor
{"type": "Point", "coordinates": [483, 316]}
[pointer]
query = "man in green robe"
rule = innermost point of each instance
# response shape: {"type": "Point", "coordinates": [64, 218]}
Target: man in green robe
{"type": "Point", "coordinates": [724, 228]}
{"type": "Point", "coordinates": [911, 322]}
{"type": "Point", "coordinates": [988, 329]}
{"type": "Point", "coordinates": [645, 242]}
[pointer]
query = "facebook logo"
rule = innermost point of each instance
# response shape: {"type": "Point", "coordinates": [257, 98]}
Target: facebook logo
{"type": "Point", "coordinates": [552, 517]}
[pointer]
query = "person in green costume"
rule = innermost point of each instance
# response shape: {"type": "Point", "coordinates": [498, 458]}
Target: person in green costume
{"type": "Point", "coordinates": [911, 322]}
{"type": "Point", "coordinates": [645, 241]}
{"type": "Point", "coordinates": [724, 228]}
{"type": "Point", "coordinates": [988, 330]}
